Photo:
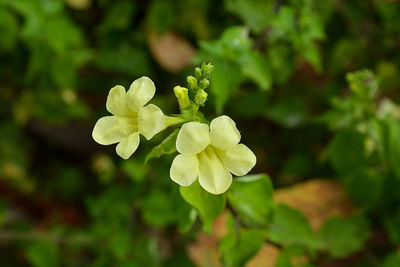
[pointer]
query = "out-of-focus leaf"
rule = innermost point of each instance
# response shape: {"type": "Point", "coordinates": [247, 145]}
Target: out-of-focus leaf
{"type": "Point", "coordinates": [124, 58]}
{"type": "Point", "coordinates": [292, 254]}
{"type": "Point", "coordinates": [225, 80]}
{"type": "Point", "coordinates": [118, 17]}
{"type": "Point", "coordinates": [158, 208]}
{"type": "Point", "coordinates": [180, 258]}
{"type": "Point", "coordinates": [255, 67]}
{"type": "Point", "coordinates": [161, 15]}
{"type": "Point", "coordinates": [135, 170]}
{"type": "Point", "coordinates": [252, 197]}
{"type": "Point", "coordinates": [120, 243]}
{"type": "Point", "coordinates": [8, 28]}
{"type": "Point", "coordinates": [208, 205]}
{"type": "Point", "coordinates": [311, 53]}
{"type": "Point", "coordinates": [43, 254]}
{"type": "Point", "coordinates": [289, 226]}
{"type": "Point", "coordinates": [249, 104]}
{"type": "Point", "coordinates": [69, 183]}
{"type": "Point", "coordinates": [284, 23]}
{"type": "Point", "coordinates": [255, 13]}
{"type": "Point", "coordinates": [186, 217]}
{"type": "Point", "coordinates": [233, 43]}
{"type": "Point", "coordinates": [288, 113]}
{"type": "Point", "coordinates": [345, 52]}
{"type": "Point", "coordinates": [394, 146]}
{"type": "Point", "coordinates": [166, 147]}
{"type": "Point", "coordinates": [392, 260]}
{"type": "Point", "coordinates": [392, 222]}
{"type": "Point", "coordinates": [365, 187]}
{"type": "Point", "coordinates": [172, 51]}
{"type": "Point", "coordinates": [390, 13]}
{"type": "Point", "coordinates": [62, 34]}
{"type": "Point", "coordinates": [146, 251]}
{"type": "Point", "coordinates": [363, 83]}
{"type": "Point", "coordinates": [317, 199]}
{"type": "Point", "coordinates": [79, 4]}
{"type": "Point", "coordinates": [281, 62]}
{"type": "Point", "coordinates": [240, 244]}
{"type": "Point", "coordinates": [343, 236]}
{"type": "Point", "coordinates": [346, 151]}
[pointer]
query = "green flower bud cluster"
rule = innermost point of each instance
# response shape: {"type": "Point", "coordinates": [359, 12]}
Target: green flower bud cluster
{"type": "Point", "coordinates": [200, 82]}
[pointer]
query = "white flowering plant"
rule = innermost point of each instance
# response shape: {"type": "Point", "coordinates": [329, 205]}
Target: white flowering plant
{"type": "Point", "coordinates": [209, 154]}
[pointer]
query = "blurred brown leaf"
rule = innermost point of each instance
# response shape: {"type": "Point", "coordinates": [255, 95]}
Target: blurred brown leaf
{"type": "Point", "coordinates": [316, 199]}
{"type": "Point", "coordinates": [79, 4]}
{"type": "Point", "coordinates": [172, 51]}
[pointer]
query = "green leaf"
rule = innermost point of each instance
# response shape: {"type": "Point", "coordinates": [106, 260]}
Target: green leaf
{"type": "Point", "coordinates": [392, 260]}
{"type": "Point", "coordinates": [311, 53]}
{"type": "Point", "coordinates": [240, 244]}
{"type": "Point", "coordinates": [363, 84]}
{"type": "Point", "coordinates": [166, 147]}
{"type": "Point", "coordinates": [288, 113]}
{"type": "Point", "coordinates": [255, 14]}
{"type": "Point", "coordinates": [255, 67]}
{"type": "Point", "coordinates": [208, 205]}
{"type": "Point", "coordinates": [224, 81]}
{"type": "Point", "coordinates": [281, 62]}
{"type": "Point", "coordinates": [286, 255]}
{"type": "Point", "coordinates": [118, 17]}
{"type": "Point", "coordinates": [233, 43]}
{"type": "Point", "coordinates": [347, 152]}
{"type": "Point", "coordinates": [283, 24]}
{"type": "Point", "coordinates": [252, 198]}
{"type": "Point", "coordinates": [289, 226]}
{"type": "Point", "coordinates": [394, 146]}
{"type": "Point", "coordinates": [43, 254]}
{"type": "Point", "coordinates": [8, 29]}
{"type": "Point", "coordinates": [365, 187]}
{"type": "Point", "coordinates": [343, 236]}
{"type": "Point", "coordinates": [135, 170]}
{"type": "Point", "coordinates": [392, 222]}
{"type": "Point", "coordinates": [125, 58]}
{"type": "Point", "coordinates": [120, 243]}
{"type": "Point", "coordinates": [158, 208]}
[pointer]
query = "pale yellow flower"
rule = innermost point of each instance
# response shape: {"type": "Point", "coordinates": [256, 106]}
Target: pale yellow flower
{"type": "Point", "coordinates": [131, 117]}
{"type": "Point", "coordinates": [210, 154]}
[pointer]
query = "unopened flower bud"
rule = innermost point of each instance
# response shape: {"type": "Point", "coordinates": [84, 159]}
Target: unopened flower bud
{"type": "Point", "coordinates": [206, 70]}
{"type": "Point", "coordinates": [203, 84]}
{"type": "Point", "coordinates": [181, 94]}
{"type": "Point", "coordinates": [192, 81]}
{"type": "Point", "coordinates": [200, 97]}
{"type": "Point", "coordinates": [197, 73]}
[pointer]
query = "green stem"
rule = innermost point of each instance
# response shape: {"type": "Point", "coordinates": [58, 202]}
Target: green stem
{"type": "Point", "coordinates": [170, 121]}
{"type": "Point", "coordinates": [195, 109]}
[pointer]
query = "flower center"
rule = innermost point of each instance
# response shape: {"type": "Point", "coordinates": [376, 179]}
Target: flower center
{"type": "Point", "coordinates": [209, 155]}
{"type": "Point", "coordinates": [128, 125]}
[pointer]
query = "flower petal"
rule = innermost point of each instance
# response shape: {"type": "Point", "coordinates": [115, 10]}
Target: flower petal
{"type": "Point", "coordinates": [213, 177]}
{"type": "Point", "coordinates": [192, 138]}
{"type": "Point", "coordinates": [112, 129]}
{"type": "Point", "coordinates": [116, 101]}
{"type": "Point", "coordinates": [128, 145]}
{"type": "Point", "coordinates": [239, 160]}
{"type": "Point", "coordinates": [223, 133]}
{"type": "Point", "coordinates": [184, 169]}
{"type": "Point", "coordinates": [140, 92]}
{"type": "Point", "coordinates": [150, 121]}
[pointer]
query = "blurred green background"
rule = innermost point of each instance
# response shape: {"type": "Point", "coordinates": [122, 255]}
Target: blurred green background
{"type": "Point", "coordinates": [280, 73]}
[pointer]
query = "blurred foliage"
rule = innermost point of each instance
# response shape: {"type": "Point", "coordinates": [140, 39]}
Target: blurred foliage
{"type": "Point", "coordinates": [293, 74]}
